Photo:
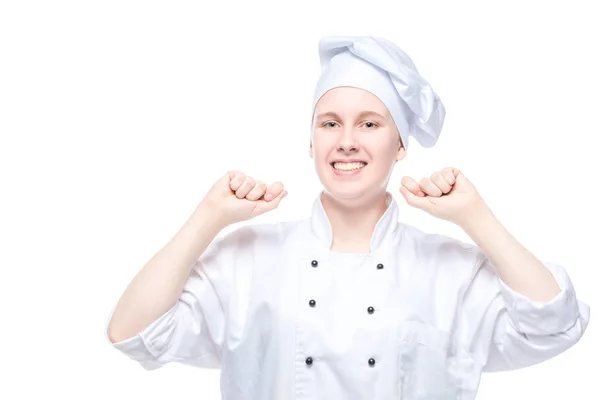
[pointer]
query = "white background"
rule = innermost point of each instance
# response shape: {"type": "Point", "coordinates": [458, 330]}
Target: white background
{"type": "Point", "coordinates": [117, 116]}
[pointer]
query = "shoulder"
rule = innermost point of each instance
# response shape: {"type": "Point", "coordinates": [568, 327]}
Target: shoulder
{"type": "Point", "coordinates": [257, 236]}
{"type": "Point", "coordinates": [438, 247]}
{"type": "Point", "coordinates": [247, 244]}
{"type": "Point", "coordinates": [442, 264]}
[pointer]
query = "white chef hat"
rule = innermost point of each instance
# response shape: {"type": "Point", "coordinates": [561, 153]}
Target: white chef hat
{"type": "Point", "coordinates": [380, 67]}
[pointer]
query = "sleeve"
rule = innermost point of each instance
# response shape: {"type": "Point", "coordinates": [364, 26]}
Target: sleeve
{"type": "Point", "coordinates": [193, 331]}
{"type": "Point", "coordinates": [505, 330]}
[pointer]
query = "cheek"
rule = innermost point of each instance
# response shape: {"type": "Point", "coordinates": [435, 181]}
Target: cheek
{"type": "Point", "coordinates": [322, 147]}
{"type": "Point", "coordinates": [383, 151]}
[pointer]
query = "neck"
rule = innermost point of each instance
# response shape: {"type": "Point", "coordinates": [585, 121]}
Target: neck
{"type": "Point", "coordinates": [353, 222]}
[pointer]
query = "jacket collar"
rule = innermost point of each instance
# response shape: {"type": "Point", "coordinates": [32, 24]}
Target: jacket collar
{"type": "Point", "coordinates": [385, 229]}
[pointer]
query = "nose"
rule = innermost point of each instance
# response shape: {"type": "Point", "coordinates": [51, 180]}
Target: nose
{"type": "Point", "coordinates": [348, 142]}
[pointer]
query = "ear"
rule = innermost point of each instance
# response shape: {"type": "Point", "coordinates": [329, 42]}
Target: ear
{"type": "Point", "coordinates": [310, 151]}
{"type": "Point", "coordinates": [400, 154]}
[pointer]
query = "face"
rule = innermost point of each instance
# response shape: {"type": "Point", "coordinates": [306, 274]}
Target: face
{"type": "Point", "coordinates": [355, 143]}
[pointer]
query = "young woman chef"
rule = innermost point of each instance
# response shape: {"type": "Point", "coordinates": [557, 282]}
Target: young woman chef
{"type": "Point", "coordinates": [350, 303]}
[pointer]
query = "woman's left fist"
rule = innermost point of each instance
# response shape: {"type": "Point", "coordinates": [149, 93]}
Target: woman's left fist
{"type": "Point", "coordinates": [446, 194]}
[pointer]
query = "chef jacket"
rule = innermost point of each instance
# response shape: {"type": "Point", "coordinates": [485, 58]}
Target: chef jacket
{"type": "Point", "coordinates": [419, 317]}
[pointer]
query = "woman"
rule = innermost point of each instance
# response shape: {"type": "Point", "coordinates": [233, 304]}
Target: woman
{"type": "Point", "coordinates": [350, 303]}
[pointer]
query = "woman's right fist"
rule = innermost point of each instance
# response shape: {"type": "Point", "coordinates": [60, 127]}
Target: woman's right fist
{"type": "Point", "coordinates": [237, 197]}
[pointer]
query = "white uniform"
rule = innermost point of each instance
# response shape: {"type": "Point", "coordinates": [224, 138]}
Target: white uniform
{"type": "Point", "coordinates": [420, 317]}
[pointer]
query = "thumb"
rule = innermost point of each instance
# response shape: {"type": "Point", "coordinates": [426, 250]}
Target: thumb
{"type": "Point", "coordinates": [221, 186]}
{"type": "Point", "coordinates": [461, 179]}
{"type": "Point", "coordinates": [415, 201]}
{"type": "Point", "coordinates": [266, 206]}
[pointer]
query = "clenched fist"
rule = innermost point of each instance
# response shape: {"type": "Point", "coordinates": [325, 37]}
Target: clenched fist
{"type": "Point", "coordinates": [237, 197]}
{"type": "Point", "coordinates": [446, 194]}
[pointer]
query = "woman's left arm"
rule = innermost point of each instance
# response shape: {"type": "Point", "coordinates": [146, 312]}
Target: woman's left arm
{"type": "Point", "coordinates": [517, 310]}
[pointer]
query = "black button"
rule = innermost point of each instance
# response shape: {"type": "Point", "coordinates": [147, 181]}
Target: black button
{"type": "Point", "coordinates": [371, 361]}
{"type": "Point", "coordinates": [312, 303]}
{"type": "Point", "coordinates": [314, 263]}
{"type": "Point", "coordinates": [379, 266]}
{"type": "Point", "coordinates": [370, 310]}
{"type": "Point", "coordinates": [309, 361]}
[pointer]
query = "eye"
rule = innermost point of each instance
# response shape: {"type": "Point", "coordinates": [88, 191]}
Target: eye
{"type": "Point", "coordinates": [332, 124]}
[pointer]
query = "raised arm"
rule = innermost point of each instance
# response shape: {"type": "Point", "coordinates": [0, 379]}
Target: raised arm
{"type": "Point", "coordinates": [173, 309]}
{"type": "Point", "coordinates": [518, 310]}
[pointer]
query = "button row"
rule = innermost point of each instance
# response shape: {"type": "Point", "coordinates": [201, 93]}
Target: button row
{"type": "Point", "coordinates": [312, 303]}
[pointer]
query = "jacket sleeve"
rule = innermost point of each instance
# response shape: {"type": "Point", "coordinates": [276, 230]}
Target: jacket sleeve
{"type": "Point", "coordinates": [193, 330]}
{"type": "Point", "coordinates": [506, 330]}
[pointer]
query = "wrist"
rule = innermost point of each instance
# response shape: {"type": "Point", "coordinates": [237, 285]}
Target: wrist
{"type": "Point", "coordinates": [477, 219]}
{"type": "Point", "coordinates": [207, 216]}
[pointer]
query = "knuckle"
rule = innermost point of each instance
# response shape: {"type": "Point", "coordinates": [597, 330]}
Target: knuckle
{"type": "Point", "coordinates": [276, 187]}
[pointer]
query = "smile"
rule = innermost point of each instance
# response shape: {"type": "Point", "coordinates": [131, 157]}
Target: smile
{"type": "Point", "coordinates": [348, 168]}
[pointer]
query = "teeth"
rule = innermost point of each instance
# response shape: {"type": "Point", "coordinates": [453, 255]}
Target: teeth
{"type": "Point", "coordinates": [348, 166]}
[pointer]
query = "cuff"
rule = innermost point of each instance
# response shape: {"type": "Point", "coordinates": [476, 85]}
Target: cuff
{"type": "Point", "coordinates": [543, 318]}
{"type": "Point", "coordinates": [146, 346]}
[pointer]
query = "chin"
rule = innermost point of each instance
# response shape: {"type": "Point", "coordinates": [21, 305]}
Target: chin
{"type": "Point", "coordinates": [347, 191]}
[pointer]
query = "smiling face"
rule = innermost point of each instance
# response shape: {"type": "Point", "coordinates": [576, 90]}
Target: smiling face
{"type": "Point", "coordinates": [355, 143]}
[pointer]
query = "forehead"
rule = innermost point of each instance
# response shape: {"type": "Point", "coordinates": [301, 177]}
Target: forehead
{"type": "Point", "coordinates": [349, 100]}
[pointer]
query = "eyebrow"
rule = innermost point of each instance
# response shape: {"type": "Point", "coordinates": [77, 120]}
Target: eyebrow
{"type": "Point", "coordinates": [362, 114]}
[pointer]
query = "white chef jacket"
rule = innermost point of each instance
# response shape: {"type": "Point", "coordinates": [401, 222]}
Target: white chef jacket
{"type": "Point", "coordinates": [419, 317]}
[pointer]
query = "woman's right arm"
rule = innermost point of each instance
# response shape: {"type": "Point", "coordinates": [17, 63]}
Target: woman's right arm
{"type": "Point", "coordinates": [159, 284]}
{"type": "Point", "coordinates": [175, 307]}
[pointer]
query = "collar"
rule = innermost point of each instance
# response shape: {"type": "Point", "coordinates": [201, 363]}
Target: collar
{"type": "Point", "coordinates": [385, 229]}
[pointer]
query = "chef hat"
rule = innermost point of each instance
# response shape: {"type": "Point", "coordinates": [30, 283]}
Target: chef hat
{"type": "Point", "coordinates": [380, 67]}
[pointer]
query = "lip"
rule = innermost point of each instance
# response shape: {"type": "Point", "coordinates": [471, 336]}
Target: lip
{"type": "Point", "coordinates": [348, 161]}
{"type": "Point", "coordinates": [347, 173]}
